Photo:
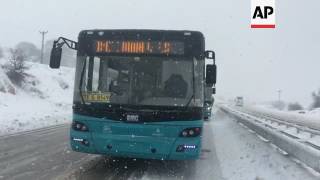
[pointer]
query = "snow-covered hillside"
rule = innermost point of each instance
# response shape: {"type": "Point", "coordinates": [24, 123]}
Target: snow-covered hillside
{"type": "Point", "coordinates": [45, 98]}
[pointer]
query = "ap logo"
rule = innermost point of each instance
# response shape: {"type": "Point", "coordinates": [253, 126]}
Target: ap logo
{"type": "Point", "coordinates": [263, 14]}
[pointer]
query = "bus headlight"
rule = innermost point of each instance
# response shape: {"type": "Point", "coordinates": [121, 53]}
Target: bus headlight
{"type": "Point", "coordinates": [191, 132]}
{"type": "Point", "coordinates": [78, 126]}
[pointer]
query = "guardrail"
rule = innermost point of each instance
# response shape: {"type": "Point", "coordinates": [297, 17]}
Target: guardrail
{"type": "Point", "coordinates": [307, 153]}
{"type": "Point", "coordinates": [298, 119]}
{"type": "Point", "coordinates": [43, 129]}
{"type": "Point", "coordinates": [300, 126]}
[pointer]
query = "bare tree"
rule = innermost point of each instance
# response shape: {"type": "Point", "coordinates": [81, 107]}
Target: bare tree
{"type": "Point", "coordinates": [17, 61]}
{"type": "Point", "coordinates": [16, 66]}
{"type": "Point", "coordinates": [294, 106]}
{"type": "Point", "coordinates": [316, 99]}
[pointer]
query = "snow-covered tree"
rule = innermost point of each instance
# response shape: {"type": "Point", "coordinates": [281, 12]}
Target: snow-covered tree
{"type": "Point", "coordinates": [16, 66]}
{"type": "Point", "coordinates": [17, 61]}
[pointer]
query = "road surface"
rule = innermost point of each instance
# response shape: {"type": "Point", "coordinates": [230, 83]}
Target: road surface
{"type": "Point", "coordinates": [230, 151]}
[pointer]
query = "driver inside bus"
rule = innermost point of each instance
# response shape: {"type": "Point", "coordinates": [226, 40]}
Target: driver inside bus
{"type": "Point", "coordinates": [176, 86]}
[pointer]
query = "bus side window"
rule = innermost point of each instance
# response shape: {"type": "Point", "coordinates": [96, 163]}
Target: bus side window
{"type": "Point", "coordinates": [95, 78]}
{"type": "Point", "coordinates": [92, 74]}
{"type": "Point", "coordinates": [103, 80]}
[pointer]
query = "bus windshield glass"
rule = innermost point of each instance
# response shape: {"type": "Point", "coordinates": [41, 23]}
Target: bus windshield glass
{"type": "Point", "coordinates": [152, 81]}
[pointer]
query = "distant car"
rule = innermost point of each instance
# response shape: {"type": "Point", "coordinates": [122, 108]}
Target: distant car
{"type": "Point", "coordinates": [239, 101]}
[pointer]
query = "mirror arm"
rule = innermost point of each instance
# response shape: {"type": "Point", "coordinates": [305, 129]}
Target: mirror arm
{"type": "Point", "coordinates": [207, 54]}
{"type": "Point", "coordinates": [71, 44]}
{"type": "Point", "coordinates": [212, 71]}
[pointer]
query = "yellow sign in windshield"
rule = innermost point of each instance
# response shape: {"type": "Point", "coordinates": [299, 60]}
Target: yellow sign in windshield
{"type": "Point", "coordinates": [97, 97]}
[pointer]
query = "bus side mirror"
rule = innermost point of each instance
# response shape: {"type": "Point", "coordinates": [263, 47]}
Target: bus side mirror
{"type": "Point", "coordinates": [210, 54]}
{"type": "Point", "coordinates": [55, 57]}
{"type": "Point", "coordinates": [211, 74]}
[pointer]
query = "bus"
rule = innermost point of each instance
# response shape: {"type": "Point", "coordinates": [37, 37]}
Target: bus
{"type": "Point", "coordinates": [138, 93]}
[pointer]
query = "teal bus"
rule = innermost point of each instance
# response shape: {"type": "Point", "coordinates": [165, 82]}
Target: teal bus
{"type": "Point", "coordinates": [138, 93]}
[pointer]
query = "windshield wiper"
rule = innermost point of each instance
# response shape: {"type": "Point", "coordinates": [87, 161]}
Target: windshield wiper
{"type": "Point", "coordinates": [193, 87]}
{"type": "Point", "coordinates": [81, 81]}
{"type": "Point", "coordinates": [189, 101]}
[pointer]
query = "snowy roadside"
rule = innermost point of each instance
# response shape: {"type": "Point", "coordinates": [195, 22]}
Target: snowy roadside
{"type": "Point", "coordinates": [311, 114]}
{"type": "Point", "coordinates": [21, 113]}
{"type": "Point", "coordinates": [244, 155]}
{"type": "Point", "coordinates": [44, 99]}
{"type": "Point", "coordinates": [310, 118]}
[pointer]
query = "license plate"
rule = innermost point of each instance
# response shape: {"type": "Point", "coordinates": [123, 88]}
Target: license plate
{"type": "Point", "coordinates": [132, 118]}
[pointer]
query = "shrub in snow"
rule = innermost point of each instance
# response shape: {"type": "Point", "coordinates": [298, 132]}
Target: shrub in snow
{"type": "Point", "coordinates": [294, 106]}
{"type": "Point", "coordinates": [16, 66]}
{"type": "Point", "coordinates": [316, 99]}
{"type": "Point", "coordinates": [5, 84]}
{"type": "Point", "coordinates": [63, 84]}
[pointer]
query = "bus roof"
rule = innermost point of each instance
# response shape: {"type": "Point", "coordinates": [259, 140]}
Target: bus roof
{"type": "Point", "coordinates": [142, 31]}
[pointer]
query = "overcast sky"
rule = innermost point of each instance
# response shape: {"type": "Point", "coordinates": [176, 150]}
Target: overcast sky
{"type": "Point", "coordinates": [254, 63]}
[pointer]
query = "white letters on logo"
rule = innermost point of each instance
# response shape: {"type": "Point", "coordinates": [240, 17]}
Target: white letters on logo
{"type": "Point", "coordinates": [263, 14]}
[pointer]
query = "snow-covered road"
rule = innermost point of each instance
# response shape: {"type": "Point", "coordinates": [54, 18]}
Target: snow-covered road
{"type": "Point", "coordinates": [244, 155]}
{"type": "Point", "coordinates": [230, 151]}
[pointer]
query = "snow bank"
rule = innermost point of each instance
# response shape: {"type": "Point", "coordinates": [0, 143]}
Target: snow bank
{"type": "Point", "coordinates": [315, 112]}
{"type": "Point", "coordinates": [308, 118]}
{"type": "Point", "coordinates": [5, 84]}
{"type": "Point", "coordinates": [44, 99]}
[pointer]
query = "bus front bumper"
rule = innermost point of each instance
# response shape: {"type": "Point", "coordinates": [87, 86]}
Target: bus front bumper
{"type": "Point", "coordinates": [137, 147]}
{"type": "Point", "coordinates": [156, 140]}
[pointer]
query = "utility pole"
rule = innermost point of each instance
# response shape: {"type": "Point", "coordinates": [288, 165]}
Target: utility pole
{"type": "Point", "coordinates": [43, 33]}
{"type": "Point", "coordinates": [279, 95]}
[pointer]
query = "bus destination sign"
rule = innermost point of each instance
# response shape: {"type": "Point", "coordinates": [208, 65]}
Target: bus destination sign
{"type": "Point", "coordinates": [139, 47]}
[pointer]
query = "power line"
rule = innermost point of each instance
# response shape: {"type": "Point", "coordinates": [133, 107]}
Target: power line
{"type": "Point", "coordinates": [43, 33]}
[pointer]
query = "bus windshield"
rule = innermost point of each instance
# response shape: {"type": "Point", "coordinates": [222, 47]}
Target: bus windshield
{"type": "Point", "coordinates": [153, 81]}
